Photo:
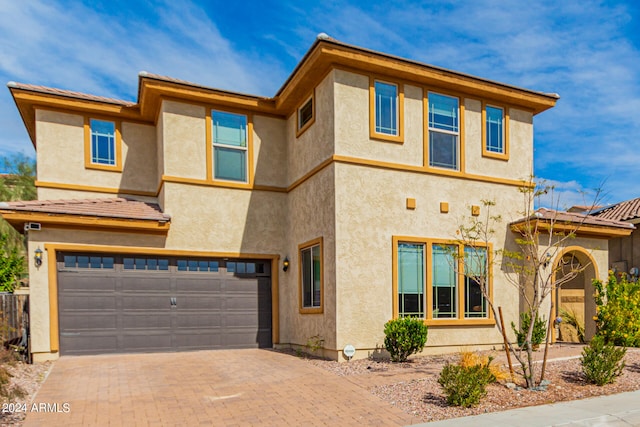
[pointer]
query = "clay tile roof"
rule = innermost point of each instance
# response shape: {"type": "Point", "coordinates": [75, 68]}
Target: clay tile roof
{"type": "Point", "coordinates": [578, 218]}
{"type": "Point", "coordinates": [111, 208]}
{"type": "Point", "coordinates": [623, 211]}
{"type": "Point", "coordinates": [69, 93]}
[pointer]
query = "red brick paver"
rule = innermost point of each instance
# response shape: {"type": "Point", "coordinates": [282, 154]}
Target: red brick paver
{"type": "Point", "coordinates": [224, 387]}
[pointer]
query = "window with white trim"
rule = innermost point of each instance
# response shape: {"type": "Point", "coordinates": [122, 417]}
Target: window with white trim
{"type": "Point", "coordinates": [494, 129]}
{"type": "Point", "coordinates": [444, 131]}
{"type": "Point", "coordinates": [103, 142]}
{"type": "Point", "coordinates": [229, 132]}
{"type": "Point", "coordinates": [386, 108]}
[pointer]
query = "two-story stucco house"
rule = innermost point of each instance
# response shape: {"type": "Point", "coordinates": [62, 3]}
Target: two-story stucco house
{"type": "Point", "coordinates": [199, 218]}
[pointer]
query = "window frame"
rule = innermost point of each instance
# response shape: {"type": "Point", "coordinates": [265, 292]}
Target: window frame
{"type": "Point", "coordinates": [505, 132]}
{"type": "Point", "coordinates": [301, 128]}
{"type": "Point", "coordinates": [248, 148]}
{"type": "Point", "coordinates": [428, 243]}
{"type": "Point", "coordinates": [88, 146]}
{"type": "Point", "coordinates": [459, 167]}
{"type": "Point", "coordinates": [373, 134]}
{"type": "Point", "coordinates": [303, 247]}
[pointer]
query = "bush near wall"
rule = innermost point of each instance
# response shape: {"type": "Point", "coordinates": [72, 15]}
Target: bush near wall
{"type": "Point", "coordinates": [618, 310]}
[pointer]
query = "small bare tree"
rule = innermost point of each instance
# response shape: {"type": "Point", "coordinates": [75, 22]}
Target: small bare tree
{"type": "Point", "coordinates": [541, 237]}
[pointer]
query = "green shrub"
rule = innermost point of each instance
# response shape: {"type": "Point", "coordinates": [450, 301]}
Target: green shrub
{"type": "Point", "coordinates": [465, 385]}
{"type": "Point", "coordinates": [618, 311]}
{"type": "Point", "coordinates": [404, 337]}
{"type": "Point", "coordinates": [602, 362]}
{"type": "Point", "coordinates": [539, 330]}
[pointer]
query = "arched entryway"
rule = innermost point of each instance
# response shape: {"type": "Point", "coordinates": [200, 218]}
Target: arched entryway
{"type": "Point", "coordinates": [575, 268]}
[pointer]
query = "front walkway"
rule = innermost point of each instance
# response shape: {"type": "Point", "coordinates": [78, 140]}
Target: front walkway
{"type": "Point", "coordinates": [224, 387]}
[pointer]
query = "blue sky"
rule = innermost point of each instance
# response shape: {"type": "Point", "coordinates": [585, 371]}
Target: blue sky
{"type": "Point", "coordinates": [586, 51]}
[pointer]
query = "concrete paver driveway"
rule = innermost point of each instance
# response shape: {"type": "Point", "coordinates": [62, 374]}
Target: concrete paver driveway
{"type": "Point", "coordinates": [223, 387]}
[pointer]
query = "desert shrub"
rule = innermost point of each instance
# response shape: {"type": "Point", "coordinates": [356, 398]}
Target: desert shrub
{"type": "Point", "coordinates": [618, 311]}
{"type": "Point", "coordinates": [465, 385]}
{"type": "Point", "coordinates": [602, 362]}
{"type": "Point", "coordinates": [570, 317]}
{"type": "Point", "coordinates": [468, 359]}
{"type": "Point", "coordinates": [539, 330]}
{"type": "Point", "coordinates": [404, 337]}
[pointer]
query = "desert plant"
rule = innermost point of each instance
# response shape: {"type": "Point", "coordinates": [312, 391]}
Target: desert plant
{"type": "Point", "coordinates": [618, 310]}
{"type": "Point", "coordinates": [602, 362]}
{"type": "Point", "coordinates": [468, 359]}
{"type": "Point", "coordinates": [539, 330]}
{"type": "Point", "coordinates": [315, 343]}
{"type": "Point", "coordinates": [571, 318]}
{"type": "Point", "coordinates": [404, 337]}
{"type": "Point", "coordinates": [465, 385]}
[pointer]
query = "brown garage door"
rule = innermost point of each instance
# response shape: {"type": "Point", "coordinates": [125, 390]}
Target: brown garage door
{"type": "Point", "coordinates": [121, 303]}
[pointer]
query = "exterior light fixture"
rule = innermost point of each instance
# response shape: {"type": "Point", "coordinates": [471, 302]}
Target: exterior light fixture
{"type": "Point", "coordinates": [285, 264]}
{"type": "Point", "coordinates": [37, 257]}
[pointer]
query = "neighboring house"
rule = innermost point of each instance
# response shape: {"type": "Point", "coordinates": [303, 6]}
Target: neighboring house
{"type": "Point", "coordinates": [624, 251]}
{"type": "Point", "coordinates": [198, 218]}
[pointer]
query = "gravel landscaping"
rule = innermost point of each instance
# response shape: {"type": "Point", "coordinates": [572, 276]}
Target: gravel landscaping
{"type": "Point", "coordinates": [27, 378]}
{"type": "Point", "coordinates": [413, 386]}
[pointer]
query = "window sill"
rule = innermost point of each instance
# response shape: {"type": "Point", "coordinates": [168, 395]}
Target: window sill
{"type": "Point", "coordinates": [315, 310]}
{"type": "Point", "coordinates": [497, 156]}
{"type": "Point", "coordinates": [397, 139]}
{"type": "Point", "coordinates": [304, 128]}
{"type": "Point", "coordinates": [108, 168]}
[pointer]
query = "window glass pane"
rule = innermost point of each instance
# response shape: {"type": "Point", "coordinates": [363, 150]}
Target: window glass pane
{"type": "Point", "coordinates": [475, 271]}
{"type": "Point", "coordinates": [163, 264]}
{"type": "Point", "coordinates": [230, 164]}
{"type": "Point", "coordinates": [443, 112]}
{"type": "Point", "coordinates": [193, 265]}
{"type": "Point", "coordinates": [306, 277]}
{"type": "Point", "coordinates": [386, 108]}
{"type": "Point", "coordinates": [107, 262]}
{"type": "Point", "coordinates": [494, 129]}
{"type": "Point", "coordinates": [69, 261]}
{"type": "Point", "coordinates": [95, 262]}
{"type": "Point", "coordinates": [128, 263]}
{"type": "Point", "coordinates": [315, 254]}
{"type": "Point", "coordinates": [251, 267]}
{"type": "Point", "coordinates": [141, 264]}
{"type": "Point", "coordinates": [83, 262]}
{"type": "Point", "coordinates": [182, 265]}
{"type": "Point", "coordinates": [152, 264]}
{"type": "Point", "coordinates": [231, 267]}
{"type": "Point", "coordinates": [229, 129]}
{"type": "Point", "coordinates": [103, 136]}
{"type": "Point", "coordinates": [213, 265]}
{"type": "Point", "coordinates": [411, 279]}
{"type": "Point", "coordinates": [241, 268]}
{"type": "Point", "coordinates": [443, 150]}
{"type": "Point", "coordinates": [305, 114]}
{"type": "Point", "coordinates": [444, 281]}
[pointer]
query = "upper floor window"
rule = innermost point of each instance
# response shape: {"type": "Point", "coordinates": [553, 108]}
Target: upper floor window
{"type": "Point", "coordinates": [495, 132]}
{"type": "Point", "coordinates": [444, 131]}
{"type": "Point", "coordinates": [306, 115]}
{"type": "Point", "coordinates": [229, 146]}
{"type": "Point", "coordinates": [310, 257]}
{"type": "Point", "coordinates": [494, 129]}
{"type": "Point", "coordinates": [103, 142]}
{"type": "Point", "coordinates": [386, 110]}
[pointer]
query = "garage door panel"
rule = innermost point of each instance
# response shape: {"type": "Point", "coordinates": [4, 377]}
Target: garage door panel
{"type": "Point", "coordinates": [77, 322]}
{"type": "Point", "coordinates": [115, 307]}
{"type": "Point", "coordinates": [143, 321]}
{"type": "Point", "coordinates": [146, 302]}
{"type": "Point", "coordinates": [211, 320]}
{"type": "Point", "coordinates": [80, 282]}
{"type": "Point", "coordinates": [88, 302]}
{"type": "Point", "coordinates": [155, 282]}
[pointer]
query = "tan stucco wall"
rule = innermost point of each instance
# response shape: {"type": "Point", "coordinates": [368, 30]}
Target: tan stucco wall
{"type": "Point", "coordinates": [316, 144]}
{"type": "Point", "coordinates": [224, 220]}
{"type": "Point", "coordinates": [352, 122]}
{"type": "Point", "coordinates": [270, 151]}
{"type": "Point", "coordinates": [60, 154]}
{"type": "Point", "coordinates": [311, 214]}
{"type": "Point", "coordinates": [370, 210]}
{"type": "Point", "coordinates": [184, 140]}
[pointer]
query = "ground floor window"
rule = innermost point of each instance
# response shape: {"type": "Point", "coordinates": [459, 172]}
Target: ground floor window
{"type": "Point", "coordinates": [310, 256]}
{"type": "Point", "coordinates": [441, 280]}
